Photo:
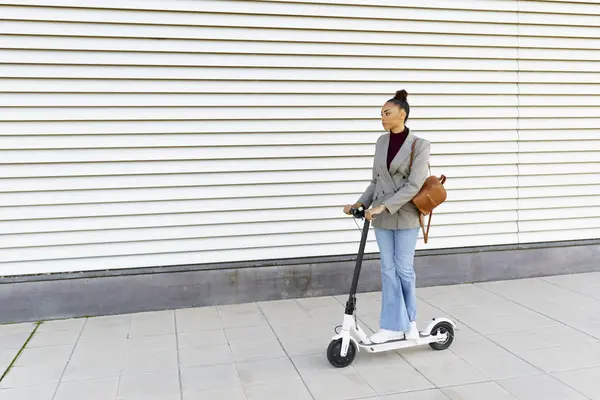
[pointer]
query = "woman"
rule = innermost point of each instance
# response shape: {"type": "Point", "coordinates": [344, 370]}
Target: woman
{"type": "Point", "coordinates": [395, 218]}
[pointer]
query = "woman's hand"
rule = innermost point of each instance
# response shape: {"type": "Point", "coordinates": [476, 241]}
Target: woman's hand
{"type": "Point", "coordinates": [372, 212]}
{"type": "Point", "coordinates": [347, 207]}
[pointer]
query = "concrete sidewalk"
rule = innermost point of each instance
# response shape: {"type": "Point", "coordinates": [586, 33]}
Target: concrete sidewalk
{"type": "Point", "coordinates": [534, 339]}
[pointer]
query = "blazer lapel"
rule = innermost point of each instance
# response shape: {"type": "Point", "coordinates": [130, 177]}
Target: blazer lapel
{"type": "Point", "coordinates": [402, 155]}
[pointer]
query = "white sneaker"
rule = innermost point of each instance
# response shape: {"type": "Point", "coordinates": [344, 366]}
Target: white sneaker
{"type": "Point", "coordinates": [413, 332]}
{"type": "Point", "coordinates": [385, 335]}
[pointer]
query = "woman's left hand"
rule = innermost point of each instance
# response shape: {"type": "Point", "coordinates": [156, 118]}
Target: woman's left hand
{"type": "Point", "coordinates": [372, 212]}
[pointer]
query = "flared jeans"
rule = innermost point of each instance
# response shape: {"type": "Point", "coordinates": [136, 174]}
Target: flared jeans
{"type": "Point", "coordinates": [398, 294]}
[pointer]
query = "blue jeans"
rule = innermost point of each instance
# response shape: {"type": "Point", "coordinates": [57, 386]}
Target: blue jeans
{"type": "Point", "coordinates": [398, 294]}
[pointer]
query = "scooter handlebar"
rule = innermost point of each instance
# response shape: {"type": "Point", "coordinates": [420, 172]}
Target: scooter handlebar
{"type": "Point", "coordinates": [358, 212]}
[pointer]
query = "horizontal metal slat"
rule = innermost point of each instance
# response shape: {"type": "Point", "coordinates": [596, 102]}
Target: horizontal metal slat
{"type": "Point", "coordinates": [567, 234]}
{"type": "Point", "coordinates": [558, 202]}
{"type": "Point", "coordinates": [483, 5]}
{"type": "Point", "coordinates": [65, 57]}
{"type": "Point", "coordinates": [291, 203]}
{"type": "Point", "coordinates": [101, 263]}
{"type": "Point", "coordinates": [450, 143]}
{"type": "Point", "coordinates": [222, 243]}
{"type": "Point", "coordinates": [564, 134]}
{"type": "Point", "coordinates": [560, 145]}
{"type": "Point", "coordinates": [399, 35]}
{"type": "Point", "coordinates": [250, 126]}
{"type": "Point", "coordinates": [380, 73]}
{"type": "Point", "coordinates": [247, 87]}
{"type": "Point", "coordinates": [564, 191]}
{"type": "Point", "coordinates": [213, 236]}
{"type": "Point", "coordinates": [253, 113]}
{"type": "Point", "coordinates": [452, 22]}
{"type": "Point", "coordinates": [442, 49]}
{"type": "Point", "coordinates": [559, 180]}
{"type": "Point", "coordinates": [593, 210]}
{"type": "Point", "coordinates": [224, 217]}
{"type": "Point", "coordinates": [202, 180]}
{"type": "Point", "coordinates": [266, 100]}
{"type": "Point", "coordinates": [223, 192]}
{"type": "Point", "coordinates": [239, 152]}
{"type": "Point", "coordinates": [558, 169]}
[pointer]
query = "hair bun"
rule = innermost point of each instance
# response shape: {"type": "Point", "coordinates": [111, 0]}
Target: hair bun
{"type": "Point", "coordinates": [401, 95]}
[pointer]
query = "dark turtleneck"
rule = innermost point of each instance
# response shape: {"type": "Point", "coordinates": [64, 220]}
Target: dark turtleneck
{"type": "Point", "coordinates": [396, 141]}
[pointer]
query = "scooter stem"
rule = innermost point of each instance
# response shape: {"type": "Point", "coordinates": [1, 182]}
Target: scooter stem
{"type": "Point", "coordinates": [351, 304]}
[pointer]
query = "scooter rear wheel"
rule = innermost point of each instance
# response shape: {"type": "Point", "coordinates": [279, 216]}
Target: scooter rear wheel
{"type": "Point", "coordinates": [443, 327]}
{"type": "Point", "coordinates": [334, 356]}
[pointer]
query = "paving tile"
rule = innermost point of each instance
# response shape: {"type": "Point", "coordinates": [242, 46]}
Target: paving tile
{"type": "Point", "coordinates": [249, 351]}
{"type": "Point", "coordinates": [89, 389]}
{"type": "Point", "coordinates": [249, 334]}
{"type": "Point", "coordinates": [395, 379]}
{"type": "Point", "coordinates": [6, 358]}
{"type": "Point", "coordinates": [109, 320]}
{"type": "Point", "coordinates": [584, 381]}
{"type": "Point", "coordinates": [197, 319]}
{"type": "Point", "coordinates": [338, 385]}
{"type": "Point", "coordinates": [113, 349]}
{"type": "Point", "coordinates": [365, 361]}
{"type": "Point", "coordinates": [16, 329]}
{"type": "Point", "coordinates": [443, 368]}
{"type": "Point", "coordinates": [302, 329]}
{"type": "Point", "coordinates": [293, 389]}
{"type": "Point", "coordinates": [229, 393]}
{"type": "Point", "coordinates": [510, 323]}
{"type": "Point", "coordinates": [540, 387]}
{"type": "Point", "coordinates": [138, 363]}
{"type": "Point", "coordinates": [45, 392]}
{"type": "Point", "coordinates": [74, 324]}
{"type": "Point", "coordinates": [44, 355]}
{"type": "Point", "coordinates": [478, 391]}
{"type": "Point", "coordinates": [241, 315]}
{"type": "Point", "coordinates": [563, 358]}
{"type": "Point", "coordinates": [304, 345]}
{"type": "Point", "coordinates": [491, 359]}
{"type": "Point", "coordinates": [585, 283]}
{"type": "Point", "coordinates": [420, 395]}
{"type": "Point", "coordinates": [218, 354]}
{"type": "Point", "coordinates": [92, 369]}
{"type": "Point", "coordinates": [212, 377]}
{"type": "Point", "coordinates": [266, 371]}
{"type": "Point", "coordinates": [541, 338]}
{"type": "Point", "coordinates": [243, 308]}
{"type": "Point", "coordinates": [152, 323]}
{"type": "Point", "coordinates": [455, 295]}
{"type": "Point", "coordinates": [310, 303]}
{"type": "Point", "coordinates": [55, 338]}
{"type": "Point", "coordinates": [33, 375]}
{"type": "Point", "coordinates": [202, 339]}
{"type": "Point", "coordinates": [151, 396]}
{"type": "Point", "coordinates": [95, 332]}
{"type": "Point", "coordinates": [161, 385]}
{"type": "Point", "coordinates": [151, 344]}
{"type": "Point", "coordinates": [313, 363]}
{"type": "Point", "coordinates": [13, 341]}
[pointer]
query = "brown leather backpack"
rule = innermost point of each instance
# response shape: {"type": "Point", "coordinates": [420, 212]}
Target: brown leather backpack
{"type": "Point", "coordinates": [431, 195]}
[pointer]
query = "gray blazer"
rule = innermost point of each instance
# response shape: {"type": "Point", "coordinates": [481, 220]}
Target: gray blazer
{"type": "Point", "coordinates": [396, 187]}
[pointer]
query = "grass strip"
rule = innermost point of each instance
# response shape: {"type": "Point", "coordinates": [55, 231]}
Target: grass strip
{"type": "Point", "coordinates": [37, 325]}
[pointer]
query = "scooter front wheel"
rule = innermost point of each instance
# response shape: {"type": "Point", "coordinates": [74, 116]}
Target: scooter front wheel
{"type": "Point", "coordinates": [441, 329]}
{"type": "Point", "coordinates": [334, 356]}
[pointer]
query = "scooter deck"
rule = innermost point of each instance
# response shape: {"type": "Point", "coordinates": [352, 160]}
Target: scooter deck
{"type": "Point", "coordinates": [397, 344]}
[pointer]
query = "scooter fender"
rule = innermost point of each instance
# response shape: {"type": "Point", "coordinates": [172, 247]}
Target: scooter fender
{"type": "Point", "coordinates": [342, 335]}
{"type": "Point", "coordinates": [436, 321]}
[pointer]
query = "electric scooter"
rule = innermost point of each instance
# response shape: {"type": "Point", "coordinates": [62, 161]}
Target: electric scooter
{"type": "Point", "coordinates": [342, 350]}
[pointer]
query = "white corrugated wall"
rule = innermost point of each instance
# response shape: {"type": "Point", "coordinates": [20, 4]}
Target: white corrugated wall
{"type": "Point", "coordinates": [157, 133]}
